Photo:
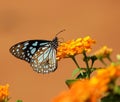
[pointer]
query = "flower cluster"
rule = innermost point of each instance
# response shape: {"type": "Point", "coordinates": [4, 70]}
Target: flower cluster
{"type": "Point", "coordinates": [4, 93]}
{"type": "Point", "coordinates": [90, 90]}
{"type": "Point", "coordinates": [103, 52]}
{"type": "Point", "coordinates": [74, 47]}
{"type": "Point", "coordinates": [85, 88]}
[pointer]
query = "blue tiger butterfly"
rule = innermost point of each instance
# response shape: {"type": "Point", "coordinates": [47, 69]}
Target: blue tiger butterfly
{"type": "Point", "coordinates": [41, 54]}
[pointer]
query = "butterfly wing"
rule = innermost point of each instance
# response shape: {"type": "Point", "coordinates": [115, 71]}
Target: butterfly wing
{"type": "Point", "coordinates": [41, 54]}
{"type": "Point", "coordinates": [26, 49]}
{"type": "Point", "coordinates": [44, 60]}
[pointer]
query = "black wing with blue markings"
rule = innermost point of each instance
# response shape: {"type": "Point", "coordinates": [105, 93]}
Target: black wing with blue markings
{"type": "Point", "coordinates": [41, 54]}
{"type": "Point", "coordinates": [26, 49]}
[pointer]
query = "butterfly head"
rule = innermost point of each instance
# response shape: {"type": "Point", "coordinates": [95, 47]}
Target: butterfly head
{"type": "Point", "coordinates": [55, 40]}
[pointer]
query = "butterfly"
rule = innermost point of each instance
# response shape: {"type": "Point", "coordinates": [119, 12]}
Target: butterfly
{"type": "Point", "coordinates": [40, 54]}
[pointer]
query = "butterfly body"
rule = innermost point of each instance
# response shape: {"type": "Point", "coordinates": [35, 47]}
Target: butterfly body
{"type": "Point", "coordinates": [41, 54]}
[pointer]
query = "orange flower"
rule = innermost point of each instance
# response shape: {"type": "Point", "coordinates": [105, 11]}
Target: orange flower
{"type": "Point", "coordinates": [103, 52]}
{"type": "Point", "coordinates": [98, 87]}
{"type": "Point", "coordinates": [80, 91]}
{"type": "Point", "coordinates": [63, 97]}
{"type": "Point", "coordinates": [83, 91]}
{"type": "Point", "coordinates": [4, 93]}
{"type": "Point", "coordinates": [109, 73]}
{"type": "Point", "coordinates": [117, 72]}
{"type": "Point", "coordinates": [74, 47]}
{"type": "Point", "coordinates": [77, 93]}
{"type": "Point", "coordinates": [90, 90]}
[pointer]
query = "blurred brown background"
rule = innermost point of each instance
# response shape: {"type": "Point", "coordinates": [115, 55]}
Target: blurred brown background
{"type": "Point", "coordinates": [41, 19]}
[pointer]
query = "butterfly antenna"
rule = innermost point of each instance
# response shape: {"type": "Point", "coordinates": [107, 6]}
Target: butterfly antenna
{"type": "Point", "coordinates": [61, 40]}
{"type": "Point", "coordinates": [60, 32]}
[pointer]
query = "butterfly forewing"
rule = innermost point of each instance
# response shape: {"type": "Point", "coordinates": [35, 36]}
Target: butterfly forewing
{"type": "Point", "coordinates": [25, 50]}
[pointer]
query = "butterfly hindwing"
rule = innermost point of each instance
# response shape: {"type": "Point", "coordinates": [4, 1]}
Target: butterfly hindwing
{"type": "Point", "coordinates": [44, 60]}
{"type": "Point", "coordinates": [25, 50]}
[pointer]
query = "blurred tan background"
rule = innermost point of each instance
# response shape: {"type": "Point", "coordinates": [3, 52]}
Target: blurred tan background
{"type": "Point", "coordinates": [41, 19]}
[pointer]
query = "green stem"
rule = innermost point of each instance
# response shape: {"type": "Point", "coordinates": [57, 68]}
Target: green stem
{"type": "Point", "coordinates": [92, 64]}
{"type": "Point", "coordinates": [87, 65]}
{"type": "Point", "coordinates": [103, 62]}
{"type": "Point", "coordinates": [73, 58]}
{"type": "Point", "coordinates": [93, 59]}
{"type": "Point", "coordinates": [108, 57]}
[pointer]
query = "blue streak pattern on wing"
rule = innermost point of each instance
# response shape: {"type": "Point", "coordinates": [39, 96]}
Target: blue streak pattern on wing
{"type": "Point", "coordinates": [25, 50]}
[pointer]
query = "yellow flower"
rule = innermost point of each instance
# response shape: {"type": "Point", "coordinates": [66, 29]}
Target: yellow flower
{"type": "Point", "coordinates": [74, 47]}
{"type": "Point", "coordinates": [4, 92]}
{"type": "Point", "coordinates": [103, 52]}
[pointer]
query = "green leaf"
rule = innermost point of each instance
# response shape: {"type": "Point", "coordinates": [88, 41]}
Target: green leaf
{"type": "Point", "coordinates": [77, 70]}
{"type": "Point", "coordinates": [19, 101]}
{"type": "Point", "coordinates": [111, 98]}
{"type": "Point", "coordinates": [83, 75]}
{"type": "Point", "coordinates": [70, 82]}
{"type": "Point", "coordinates": [117, 89]}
